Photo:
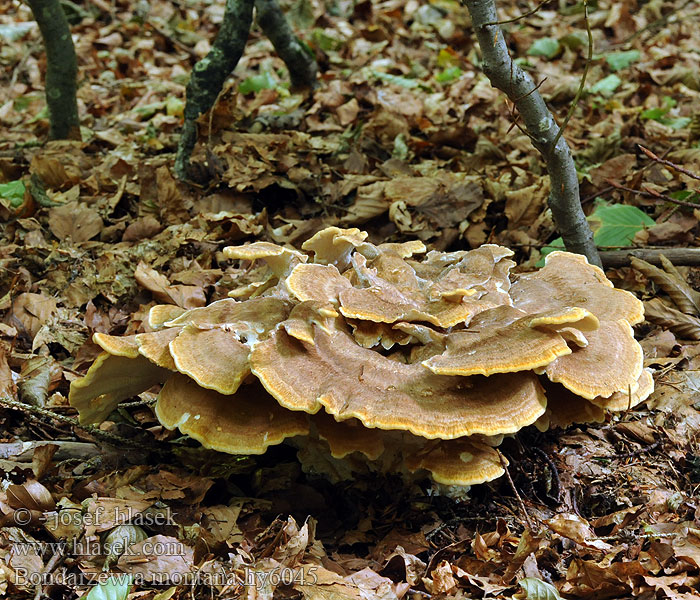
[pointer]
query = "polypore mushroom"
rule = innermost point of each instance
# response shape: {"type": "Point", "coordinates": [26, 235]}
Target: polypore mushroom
{"type": "Point", "coordinates": [473, 353]}
{"type": "Point", "coordinates": [301, 321]}
{"type": "Point", "coordinates": [254, 315]}
{"type": "Point", "coordinates": [245, 423]}
{"type": "Point", "coordinates": [155, 346]}
{"type": "Point", "coordinates": [565, 408]}
{"type": "Point", "coordinates": [350, 381]}
{"type": "Point", "coordinates": [124, 345]}
{"type": "Point", "coordinates": [213, 357]}
{"type": "Point", "coordinates": [333, 246]}
{"type": "Point", "coordinates": [117, 374]}
{"type": "Point", "coordinates": [110, 380]}
{"type": "Point", "coordinates": [611, 362]}
{"type": "Point", "coordinates": [345, 437]}
{"type": "Point", "coordinates": [460, 462]}
{"type": "Point", "coordinates": [384, 301]}
{"type": "Point", "coordinates": [502, 340]}
{"type": "Point", "coordinates": [159, 314]}
{"type": "Point", "coordinates": [568, 280]}
{"type": "Point", "coordinates": [280, 260]}
{"type": "Point", "coordinates": [623, 400]}
{"type": "Point", "coordinates": [321, 283]}
{"type": "Point", "coordinates": [212, 346]}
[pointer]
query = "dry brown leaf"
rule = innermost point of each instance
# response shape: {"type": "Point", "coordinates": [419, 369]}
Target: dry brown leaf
{"type": "Point", "coordinates": [684, 326]}
{"type": "Point", "coordinates": [8, 389]}
{"type": "Point", "coordinates": [222, 523]}
{"type": "Point", "coordinates": [76, 221]}
{"type": "Point", "coordinates": [186, 296]}
{"type": "Point", "coordinates": [670, 281]}
{"type": "Point", "coordinates": [32, 311]}
{"type": "Point", "coordinates": [576, 528]}
{"type": "Point", "coordinates": [160, 559]}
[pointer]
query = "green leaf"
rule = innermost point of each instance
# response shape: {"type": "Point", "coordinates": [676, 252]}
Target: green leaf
{"type": "Point", "coordinates": [575, 40]}
{"type": "Point", "coordinates": [536, 589]}
{"type": "Point", "coordinates": [12, 193]}
{"type": "Point", "coordinates": [263, 81]}
{"type": "Point", "coordinates": [622, 60]}
{"type": "Point", "coordinates": [677, 122]}
{"type": "Point", "coordinates": [653, 113]}
{"type": "Point", "coordinates": [326, 42]}
{"type": "Point", "coordinates": [613, 225]}
{"type": "Point", "coordinates": [686, 195]}
{"type": "Point", "coordinates": [617, 224]}
{"type": "Point", "coordinates": [449, 74]}
{"type": "Point", "coordinates": [12, 32]}
{"type": "Point", "coordinates": [607, 85]}
{"type": "Point", "coordinates": [148, 110]}
{"type": "Point", "coordinates": [547, 47]}
{"type": "Point", "coordinates": [446, 58]}
{"type": "Point", "coordinates": [400, 147]}
{"type": "Point", "coordinates": [397, 79]}
{"type": "Point", "coordinates": [115, 588]}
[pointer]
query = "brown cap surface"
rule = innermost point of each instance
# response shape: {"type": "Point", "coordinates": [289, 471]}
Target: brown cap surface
{"type": "Point", "coordinates": [256, 314]}
{"type": "Point", "coordinates": [351, 381]}
{"type": "Point", "coordinates": [566, 316]}
{"type": "Point", "coordinates": [321, 283]}
{"type": "Point", "coordinates": [333, 245]}
{"type": "Point", "coordinates": [160, 314]}
{"type": "Point", "coordinates": [278, 258]}
{"type": "Point", "coordinates": [304, 316]}
{"type": "Point", "coordinates": [155, 346]}
{"type": "Point", "coordinates": [369, 334]}
{"type": "Point", "coordinates": [568, 280]}
{"type": "Point", "coordinates": [386, 305]}
{"type": "Point", "coordinates": [624, 400]}
{"type": "Point", "coordinates": [246, 423]}
{"type": "Point", "coordinates": [611, 362]}
{"type": "Point", "coordinates": [214, 357]}
{"type": "Point", "coordinates": [457, 462]}
{"type": "Point", "coordinates": [498, 340]}
{"type": "Point", "coordinates": [346, 437]}
{"type": "Point", "coordinates": [117, 345]}
{"type": "Point", "coordinates": [110, 380]}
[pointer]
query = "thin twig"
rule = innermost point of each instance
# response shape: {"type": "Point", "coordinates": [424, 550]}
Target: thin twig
{"type": "Point", "coordinates": [579, 92]}
{"type": "Point", "coordinates": [36, 412]}
{"type": "Point", "coordinates": [504, 464]}
{"type": "Point", "coordinates": [668, 163]}
{"type": "Point", "coordinates": [523, 16]}
{"type": "Point", "coordinates": [632, 454]}
{"type": "Point", "coordinates": [647, 193]}
{"type": "Point", "coordinates": [553, 468]}
{"type": "Point", "coordinates": [173, 40]}
{"type": "Point", "coordinates": [664, 20]}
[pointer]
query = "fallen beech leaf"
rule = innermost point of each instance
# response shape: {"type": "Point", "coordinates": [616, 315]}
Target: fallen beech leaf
{"type": "Point", "coordinates": [684, 326]}
{"type": "Point", "coordinates": [576, 528]}
{"type": "Point", "coordinates": [76, 221]}
{"type": "Point", "coordinates": [33, 310]}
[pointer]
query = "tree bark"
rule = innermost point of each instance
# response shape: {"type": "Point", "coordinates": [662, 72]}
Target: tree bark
{"type": "Point", "coordinates": [504, 74]}
{"type": "Point", "coordinates": [61, 69]}
{"type": "Point", "coordinates": [300, 63]}
{"type": "Point", "coordinates": [210, 73]}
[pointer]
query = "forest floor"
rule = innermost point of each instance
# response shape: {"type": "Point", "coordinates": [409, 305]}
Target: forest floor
{"type": "Point", "coordinates": [606, 510]}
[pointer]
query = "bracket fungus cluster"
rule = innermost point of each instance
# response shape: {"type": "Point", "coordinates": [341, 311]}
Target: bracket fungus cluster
{"type": "Point", "coordinates": [382, 356]}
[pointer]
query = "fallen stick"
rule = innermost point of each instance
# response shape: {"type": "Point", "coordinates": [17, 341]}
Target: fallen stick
{"type": "Point", "coordinates": [688, 257]}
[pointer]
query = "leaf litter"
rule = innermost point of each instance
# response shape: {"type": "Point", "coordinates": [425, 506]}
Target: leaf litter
{"type": "Point", "coordinates": [405, 137]}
